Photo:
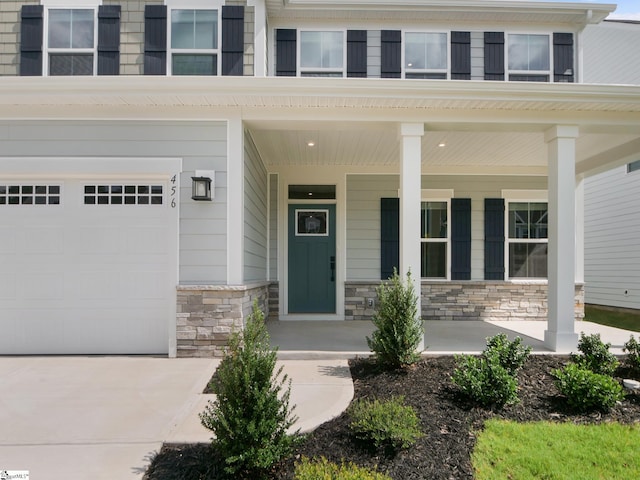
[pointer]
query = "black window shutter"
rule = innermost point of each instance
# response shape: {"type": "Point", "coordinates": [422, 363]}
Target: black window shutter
{"type": "Point", "coordinates": [357, 53]}
{"type": "Point", "coordinates": [155, 40]}
{"type": "Point", "coordinates": [31, 34]}
{"type": "Point", "coordinates": [460, 56]}
{"type": "Point", "coordinates": [494, 239]}
{"type": "Point", "coordinates": [232, 40]}
{"type": "Point", "coordinates": [286, 52]}
{"type": "Point", "coordinates": [563, 57]}
{"type": "Point", "coordinates": [389, 236]}
{"type": "Point", "coordinates": [460, 239]}
{"type": "Point", "coordinates": [494, 55]}
{"type": "Point", "coordinates": [109, 40]}
{"type": "Point", "coordinates": [391, 53]}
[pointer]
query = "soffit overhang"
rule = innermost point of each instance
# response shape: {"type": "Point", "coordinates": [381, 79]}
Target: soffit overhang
{"type": "Point", "coordinates": [356, 98]}
{"type": "Point", "coordinates": [512, 12]}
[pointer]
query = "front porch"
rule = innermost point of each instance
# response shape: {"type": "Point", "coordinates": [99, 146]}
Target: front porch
{"type": "Point", "coordinates": [331, 340]}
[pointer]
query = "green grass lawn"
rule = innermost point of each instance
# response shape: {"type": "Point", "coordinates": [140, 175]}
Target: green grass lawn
{"type": "Point", "coordinates": [556, 451]}
{"type": "Point", "coordinates": [624, 320]}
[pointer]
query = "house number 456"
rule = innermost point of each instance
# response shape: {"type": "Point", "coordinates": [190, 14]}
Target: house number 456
{"type": "Point", "coordinates": [174, 190]}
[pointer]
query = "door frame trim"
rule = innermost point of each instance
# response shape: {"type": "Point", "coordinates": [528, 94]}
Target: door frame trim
{"type": "Point", "coordinates": [321, 176]}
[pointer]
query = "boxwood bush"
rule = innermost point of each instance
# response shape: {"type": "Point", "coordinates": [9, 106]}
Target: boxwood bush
{"type": "Point", "coordinates": [586, 390]}
{"type": "Point", "coordinates": [632, 349]}
{"type": "Point", "coordinates": [595, 355]}
{"type": "Point", "coordinates": [390, 425]}
{"type": "Point", "coordinates": [322, 469]}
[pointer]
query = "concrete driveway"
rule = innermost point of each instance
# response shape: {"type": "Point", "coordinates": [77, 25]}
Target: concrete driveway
{"type": "Point", "coordinates": [79, 418]}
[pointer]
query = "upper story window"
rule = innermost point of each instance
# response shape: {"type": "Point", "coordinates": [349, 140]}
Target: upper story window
{"type": "Point", "coordinates": [425, 55]}
{"type": "Point", "coordinates": [71, 41]}
{"type": "Point", "coordinates": [527, 238]}
{"type": "Point", "coordinates": [194, 42]}
{"type": "Point", "coordinates": [322, 54]}
{"type": "Point", "coordinates": [529, 57]}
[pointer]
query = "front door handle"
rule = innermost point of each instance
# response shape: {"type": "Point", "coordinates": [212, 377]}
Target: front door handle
{"type": "Point", "coordinates": [332, 264]}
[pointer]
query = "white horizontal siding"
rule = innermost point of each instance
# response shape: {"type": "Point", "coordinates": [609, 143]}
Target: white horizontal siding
{"type": "Point", "coordinates": [606, 57]}
{"type": "Point", "coordinates": [273, 227]}
{"type": "Point", "coordinates": [201, 145]}
{"type": "Point", "coordinates": [255, 214]}
{"type": "Point", "coordinates": [477, 56]}
{"type": "Point", "coordinates": [363, 223]}
{"type": "Point", "coordinates": [374, 54]}
{"type": "Point", "coordinates": [612, 230]}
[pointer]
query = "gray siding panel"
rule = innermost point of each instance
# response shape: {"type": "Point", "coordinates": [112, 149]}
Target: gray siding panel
{"type": "Point", "coordinates": [477, 56]}
{"type": "Point", "coordinates": [273, 227]}
{"type": "Point", "coordinates": [374, 55]}
{"type": "Point", "coordinates": [612, 227]}
{"type": "Point", "coordinates": [255, 215]}
{"type": "Point", "coordinates": [201, 145]}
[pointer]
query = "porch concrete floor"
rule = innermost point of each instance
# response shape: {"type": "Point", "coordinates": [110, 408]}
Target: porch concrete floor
{"type": "Point", "coordinates": [310, 339]}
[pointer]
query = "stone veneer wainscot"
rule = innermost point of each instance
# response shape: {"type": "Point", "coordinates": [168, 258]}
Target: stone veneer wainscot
{"type": "Point", "coordinates": [207, 315]}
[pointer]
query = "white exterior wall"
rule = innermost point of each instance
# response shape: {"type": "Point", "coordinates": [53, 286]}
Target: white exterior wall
{"type": "Point", "coordinates": [273, 227]}
{"type": "Point", "coordinates": [612, 229]}
{"type": "Point", "coordinates": [363, 214]}
{"type": "Point", "coordinates": [477, 55]}
{"type": "Point", "coordinates": [374, 54]}
{"type": "Point", "coordinates": [255, 215]}
{"type": "Point", "coordinates": [606, 55]}
{"type": "Point", "coordinates": [201, 145]}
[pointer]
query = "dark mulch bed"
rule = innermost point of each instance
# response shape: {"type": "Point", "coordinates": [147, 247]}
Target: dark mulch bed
{"type": "Point", "coordinates": [450, 424]}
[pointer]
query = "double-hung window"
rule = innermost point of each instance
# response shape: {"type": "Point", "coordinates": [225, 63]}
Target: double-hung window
{"type": "Point", "coordinates": [527, 237]}
{"type": "Point", "coordinates": [194, 42]}
{"type": "Point", "coordinates": [322, 53]}
{"type": "Point", "coordinates": [529, 57]}
{"type": "Point", "coordinates": [426, 55]}
{"type": "Point", "coordinates": [434, 239]}
{"type": "Point", "coordinates": [71, 41]}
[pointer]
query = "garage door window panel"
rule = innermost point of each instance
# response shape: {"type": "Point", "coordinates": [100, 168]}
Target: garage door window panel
{"type": "Point", "coordinates": [123, 194]}
{"type": "Point", "coordinates": [29, 194]}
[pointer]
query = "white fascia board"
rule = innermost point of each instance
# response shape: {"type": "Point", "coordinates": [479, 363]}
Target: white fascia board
{"type": "Point", "coordinates": [593, 12]}
{"type": "Point", "coordinates": [258, 92]}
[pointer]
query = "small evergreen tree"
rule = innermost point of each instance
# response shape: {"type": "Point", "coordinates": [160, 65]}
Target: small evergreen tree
{"type": "Point", "coordinates": [399, 327]}
{"type": "Point", "coordinates": [250, 415]}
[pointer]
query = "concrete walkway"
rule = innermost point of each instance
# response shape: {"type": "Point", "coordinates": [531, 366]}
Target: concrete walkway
{"type": "Point", "coordinates": [78, 418]}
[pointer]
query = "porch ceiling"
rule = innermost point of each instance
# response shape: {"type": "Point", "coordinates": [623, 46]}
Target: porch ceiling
{"type": "Point", "coordinates": [487, 127]}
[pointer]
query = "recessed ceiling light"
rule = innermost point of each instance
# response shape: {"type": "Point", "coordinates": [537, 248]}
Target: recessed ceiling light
{"type": "Point", "coordinates": [311, 144]}
{"type": "Point", "coordinates": [442, 144]}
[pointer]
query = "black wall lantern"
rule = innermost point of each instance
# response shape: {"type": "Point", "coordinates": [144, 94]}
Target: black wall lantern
{"type": "Point", "coordinates": [201, 186]}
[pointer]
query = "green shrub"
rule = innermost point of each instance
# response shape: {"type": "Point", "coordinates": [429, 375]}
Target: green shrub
{"type": "Point", "coordinates": [250, 415]}
{"type": "Point", "coordinates": [511, 355]}
{"type": "Point", "coordinates": [491, 379]}
{"type": "Point", "coordinates": [632, 349]}
{"type": "Point", "coordinates": [389, 424]}
{"type": "Point", "coordinates": [595, 355]}
{"type": "Point", "coordinates": [485, 381]}
{"type": "Point", "coordinates": [586, 390]}
{"type": "Point", "coordinates": [322, 469]}
{"type": "Point", "coordinates": [399, 328]}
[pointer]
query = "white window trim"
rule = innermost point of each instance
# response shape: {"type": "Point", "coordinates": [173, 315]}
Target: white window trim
{"type": "Point", "coordinates": [77, 5]}
{"type": "Point", "coordinates": [194, 5]}
{"type": "Point", "coordinates": [439, 195]}
{"type": "Point", "coordinates": [521, 196]}
{"type": "Point", "coordinates": [446, 71]}
{"type": "Point", "coordinates": [301, 70]}
{"type": "Point", "coordinates": [509, 72]}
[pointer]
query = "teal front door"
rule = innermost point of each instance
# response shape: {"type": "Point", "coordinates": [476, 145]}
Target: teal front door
{"type": "Point", "coordinates": [312, 258]}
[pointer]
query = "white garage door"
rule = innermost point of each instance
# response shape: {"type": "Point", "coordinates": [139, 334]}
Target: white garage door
{"type": "Point", "coordinates": [88, 266]}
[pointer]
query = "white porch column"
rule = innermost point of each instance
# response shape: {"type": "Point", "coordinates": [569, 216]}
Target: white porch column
{"type": "Point", "coordinates": [580, 229]}
{"type": "Point", "coordinates": [560, 334]}
{"type": "Point", "coordinates": [259, 37]}
{"type": "Point", "coordinates": [410, 186]}
{"type": "Point", "coordinates": [235, 202]}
